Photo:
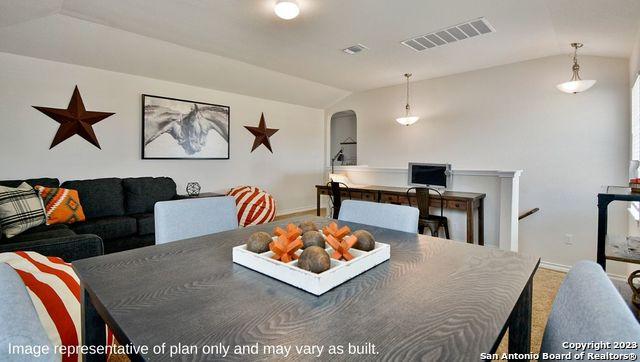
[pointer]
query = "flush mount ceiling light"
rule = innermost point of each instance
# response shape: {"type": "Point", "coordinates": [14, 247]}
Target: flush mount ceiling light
{"type": "Point", "coordinates": [287, 9]}
{"type": "Point", "coordinates": [408, 119]}
{"type": "Point", "coordinates": [576, 84]}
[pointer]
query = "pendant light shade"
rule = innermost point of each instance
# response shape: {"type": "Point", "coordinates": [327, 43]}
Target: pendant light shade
{"type": "Point", "coordinates": [576, 84]}
{"type": "Point", "coordinates": [408, 119]}
{"type": "Point", "coordinates": [287, 9]}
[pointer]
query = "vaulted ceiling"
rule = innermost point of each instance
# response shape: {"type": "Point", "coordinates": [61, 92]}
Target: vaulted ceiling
{"type": "Point", "coordinates": [309, 47]}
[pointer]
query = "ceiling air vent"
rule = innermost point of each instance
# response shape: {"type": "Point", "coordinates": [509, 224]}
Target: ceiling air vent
{"type": "Point", "coordinates": [466, 30]}
{"type": "Point", "coordinates": [354, 49]}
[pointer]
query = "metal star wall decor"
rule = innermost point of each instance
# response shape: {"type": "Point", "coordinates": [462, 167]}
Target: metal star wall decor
{"type": "Point", "coordinates": [74, 120]}
{"type": "Point", "coordinates": [262, 134]}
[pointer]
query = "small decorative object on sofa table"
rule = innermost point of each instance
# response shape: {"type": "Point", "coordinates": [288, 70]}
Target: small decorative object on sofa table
{"type": "Point", "coordinates": [193, 189]}
{"type": "Point", "coordinates": [636, 290]}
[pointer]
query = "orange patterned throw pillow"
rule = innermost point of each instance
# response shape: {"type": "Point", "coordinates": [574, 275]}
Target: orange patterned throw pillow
{"type": "Point", "coordinates": [62, 206]}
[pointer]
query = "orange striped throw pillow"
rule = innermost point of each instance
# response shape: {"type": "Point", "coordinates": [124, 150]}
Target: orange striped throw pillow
{"type": "Point", "coordinates": [62, 206]}
{"type": "Point", "coordinates": [254, 205]}
{"type": "Point", "coordinates": [55, 292]}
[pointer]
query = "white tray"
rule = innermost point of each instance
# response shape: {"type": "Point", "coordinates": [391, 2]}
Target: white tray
{"type": "Point", "coordinates": [339, 272]}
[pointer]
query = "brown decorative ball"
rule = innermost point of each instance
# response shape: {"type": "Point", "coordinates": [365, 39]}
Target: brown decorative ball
{"type": "Point", "coordinates": [314, 259]}
{"type": "Point", "coordinates": [308, 226]}
{"type": "Point", "coordinates": [365, 242]}
{"type": "Point", "coordinates": [259, 242]}
{"type": "Point", "coordinates": [312, 238]}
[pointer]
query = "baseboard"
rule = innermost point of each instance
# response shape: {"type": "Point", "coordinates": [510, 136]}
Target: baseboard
{"type": "Point", "coordinates": [565, 268]}
{"type": "Point", "coordinates": [296, 210]}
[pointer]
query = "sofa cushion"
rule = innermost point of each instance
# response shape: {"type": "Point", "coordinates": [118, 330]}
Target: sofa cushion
{"type": "Point", "coordinates": [20, 322]}
{"type": "Point", "coordinates": [100, 197]}
{"type": "Point", "coordinates": [110, 227]}
{"type": "Point", "coordinates": [141, 193]}
{"type": "Point", "coordinates": [20, 209]}
{"type": "Point", "coordinates": [33, 182]}
{"type": "Point", "coordinates": [145, 223]}
{"type": "Point", "coordinates": [40, 235]}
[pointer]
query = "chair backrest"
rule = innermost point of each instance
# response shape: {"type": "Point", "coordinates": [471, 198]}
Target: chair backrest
{"type": "Point", "coordinates": [423, 198]}
{"type": "Point", "coordinates": [589, 308]}
{"type": "Point", "coordinates": [20, 323]}
{"type": "Point", "coordinates": [336, 195]}
{"type": "Point", "coordinates": [389, 216]}
{"type": "Point", "coordinates": [188, 218]}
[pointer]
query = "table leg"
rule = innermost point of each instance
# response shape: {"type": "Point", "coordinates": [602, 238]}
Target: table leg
{"type": "Point", "coordinates": [93, 327]}
{"type": "Point", "coordinates": [317, 203]}
{"type": "Point", "coordinates": [470, 223]}
{"type": "Point", "coordinates": [603, 205]}
{"type": "Point", "coordinates": [520, 322]}
{"type": "Point", "coordinates": [481, 222]}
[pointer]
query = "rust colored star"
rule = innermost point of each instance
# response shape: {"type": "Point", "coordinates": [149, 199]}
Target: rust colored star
{"type": "Point", "coordinates": [340, 243]}
{"type": "Point", "coordinates": [284, 248]}
{"type": "Point", "coordinates": [262, 134]}
{"type": "Point", "coordinates": [74, 120]}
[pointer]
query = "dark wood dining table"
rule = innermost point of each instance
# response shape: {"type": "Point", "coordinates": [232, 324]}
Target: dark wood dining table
{"type": "Point", "coordinates": [435, 299]}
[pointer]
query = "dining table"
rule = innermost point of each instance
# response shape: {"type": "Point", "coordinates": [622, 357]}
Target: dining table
{"type": "Point", "coordinates": [434, 299]}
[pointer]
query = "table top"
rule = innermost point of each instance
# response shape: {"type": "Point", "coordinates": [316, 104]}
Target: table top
{"type": "Point", "coordinates": [403, 190]}
{"type": "Point", "coordinates": [436, 299]}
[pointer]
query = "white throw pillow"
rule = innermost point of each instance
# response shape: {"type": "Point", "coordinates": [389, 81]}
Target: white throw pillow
{"type": "Point", "coordinates": [20, 209]}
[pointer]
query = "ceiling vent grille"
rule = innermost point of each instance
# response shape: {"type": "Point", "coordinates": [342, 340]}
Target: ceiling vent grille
{"type": "Point", "coordinates": [354, 49]}
{"type": "Point", "coordinates": [466, 30]}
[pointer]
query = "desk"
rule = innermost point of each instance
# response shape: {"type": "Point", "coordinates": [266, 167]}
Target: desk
{"type": "Point", "coordinates": [462, 201]}
{"type": "Point", "coordinates": [409, 307]}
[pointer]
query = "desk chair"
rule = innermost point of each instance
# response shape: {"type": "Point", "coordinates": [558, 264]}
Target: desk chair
{"type": "Point", "coordinates": [432, 222]}
{"type": "Point", "coordinates": [189, 218]}
{"type": "Point", "coordinates": [388, 216]}
{"type": "Point", "coordinates": [336, 196]}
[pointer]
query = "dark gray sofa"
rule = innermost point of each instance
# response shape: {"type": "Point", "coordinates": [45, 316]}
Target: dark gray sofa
{"type": "Point", "coordinates": [119, 216]}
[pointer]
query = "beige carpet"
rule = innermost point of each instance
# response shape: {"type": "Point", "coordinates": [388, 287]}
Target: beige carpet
{"type": "Point", "coordinates": [545, 286]}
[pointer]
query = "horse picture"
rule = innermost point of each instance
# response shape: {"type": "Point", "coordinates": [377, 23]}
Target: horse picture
{"type": "Point", "coordinates": [180, 129]}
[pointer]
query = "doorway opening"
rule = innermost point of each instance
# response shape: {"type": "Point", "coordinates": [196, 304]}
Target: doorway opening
{"type": "Point", "coordinates": [344, 138]}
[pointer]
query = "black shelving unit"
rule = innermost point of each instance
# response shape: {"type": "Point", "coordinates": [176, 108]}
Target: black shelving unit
{"type": "Point", "coordinates": [612, 250]}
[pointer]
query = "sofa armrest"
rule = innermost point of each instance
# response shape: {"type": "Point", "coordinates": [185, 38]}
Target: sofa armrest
{"type": "Point", "coordinates": [69, 248]}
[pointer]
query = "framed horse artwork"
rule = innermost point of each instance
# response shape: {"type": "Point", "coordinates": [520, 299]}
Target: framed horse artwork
{"type": "Point", "coordinates": [181, 129]}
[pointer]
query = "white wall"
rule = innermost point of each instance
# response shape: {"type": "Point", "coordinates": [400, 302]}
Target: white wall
{"type": "Point", "coordinates": [513, 117]}
{"type": "Point", "coordinates": [25, 134]}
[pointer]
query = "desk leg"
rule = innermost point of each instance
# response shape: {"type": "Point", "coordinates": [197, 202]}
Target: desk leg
{"type": "Point", "coordinates": [93, 327]}
{"type": "Point", "coordinates": [481, 222]}
{"type": "Point", "coordinates": [317, 203]}
{"type": "Point", "coordinates": [603, 205]}
{"type": "Point", "coordinates": [470, 223]}
{"type": "Point", "coordinates": [520, 322]}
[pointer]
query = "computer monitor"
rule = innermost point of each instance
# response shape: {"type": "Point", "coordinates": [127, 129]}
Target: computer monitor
{"type": "Point", "coordinates": [436, 175]}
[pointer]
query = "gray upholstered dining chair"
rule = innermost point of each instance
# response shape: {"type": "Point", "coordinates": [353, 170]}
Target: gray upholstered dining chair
{"type": "Point", "coordinates": [588, 308]}
{"type": "Point", "coordinates": [20, 323]}
{"type": "Point", "coordinates": [389, 216]}
{"type": "Point", "coordinates": [188, 218]}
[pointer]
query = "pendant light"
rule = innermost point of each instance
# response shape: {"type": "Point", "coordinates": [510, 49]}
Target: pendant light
{"type": "Point", "coordinates": [287, 9]}
{"type": "Point", "coordinates": [576, 84]}
{"type": "Point", "coordinates": [408, 119]}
